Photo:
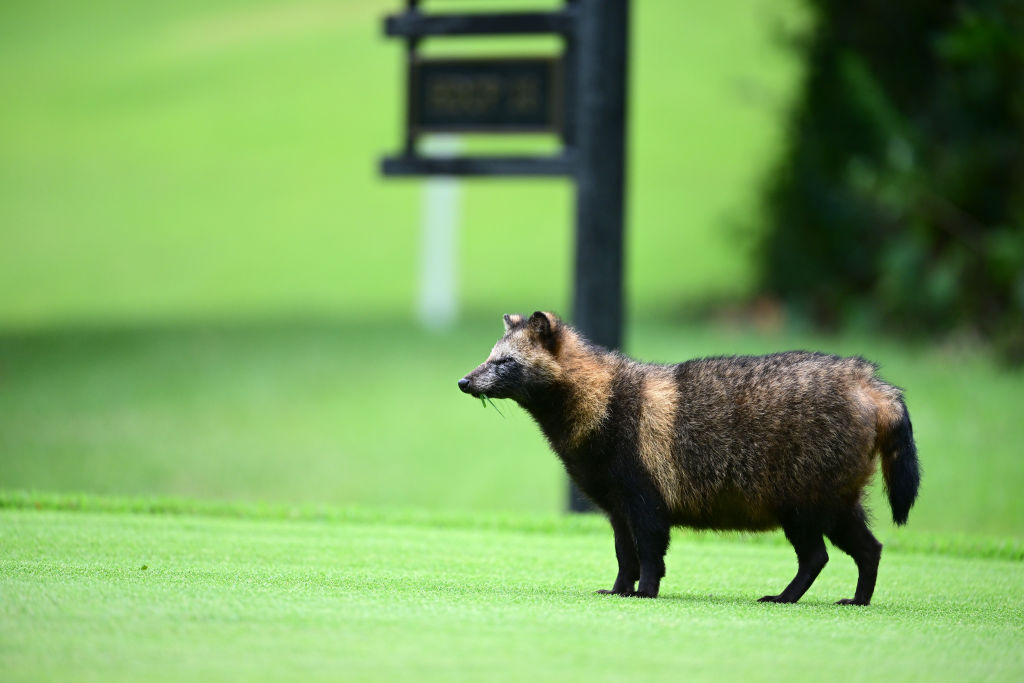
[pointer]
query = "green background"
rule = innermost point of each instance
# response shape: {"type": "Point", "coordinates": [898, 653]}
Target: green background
{"type": "Point", "coordinates": [207, 292]}
{"type": "Point", "coordinates": [212, 159]}
{"type": "Point", "coordinates": [209, 287]}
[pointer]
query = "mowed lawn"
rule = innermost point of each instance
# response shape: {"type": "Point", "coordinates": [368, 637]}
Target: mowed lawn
{"type": "Point", "coordinates": [116, 595]}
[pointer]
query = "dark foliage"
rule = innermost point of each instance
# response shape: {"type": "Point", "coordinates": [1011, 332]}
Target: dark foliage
{"type": "Point", "coordinates": [900, 198]}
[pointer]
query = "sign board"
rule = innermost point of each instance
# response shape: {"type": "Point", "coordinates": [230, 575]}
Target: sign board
{"type": "Point", "coordinates": [485, 95]}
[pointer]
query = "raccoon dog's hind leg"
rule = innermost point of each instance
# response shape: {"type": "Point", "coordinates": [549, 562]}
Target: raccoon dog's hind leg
{"type": "Point", "coordinates": [804, 532]}
{"type": "Point", "coordinates": [850, 534]}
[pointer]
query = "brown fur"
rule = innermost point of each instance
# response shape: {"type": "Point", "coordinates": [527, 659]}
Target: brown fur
{"type": "Point", "coordinates": [589, 385]}
{"type": "Point", "coordinates": [657, 431]}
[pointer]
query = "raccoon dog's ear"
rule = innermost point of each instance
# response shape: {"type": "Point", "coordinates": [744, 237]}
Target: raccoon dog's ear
{"type": "Point", "coordinates": [543, 325]}
{"type": "Point", "coordinates": [511, 320]}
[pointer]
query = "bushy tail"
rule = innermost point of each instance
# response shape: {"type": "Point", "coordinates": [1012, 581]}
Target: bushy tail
{"type": "Point", "coordinates": [899, 465]}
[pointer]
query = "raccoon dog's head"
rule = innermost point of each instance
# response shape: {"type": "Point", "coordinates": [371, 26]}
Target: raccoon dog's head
{"type": "Point", "coordinates": [521, 362]}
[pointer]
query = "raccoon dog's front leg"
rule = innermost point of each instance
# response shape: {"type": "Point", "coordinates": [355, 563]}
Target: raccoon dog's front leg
{"type": "Point", "coordinates": [625, 553]}
{"type": "Point", "coordinates": [651, 536]}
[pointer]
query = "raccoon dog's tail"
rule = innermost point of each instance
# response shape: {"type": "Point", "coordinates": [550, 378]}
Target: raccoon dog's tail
{"type": "Point", "coordinates": [900, 467]}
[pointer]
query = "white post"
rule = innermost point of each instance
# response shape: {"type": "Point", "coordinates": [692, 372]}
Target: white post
{"type": "Point", "coordinates": [439, 236]}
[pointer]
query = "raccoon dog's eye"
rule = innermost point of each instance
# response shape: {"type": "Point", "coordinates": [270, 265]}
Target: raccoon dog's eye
{"type": "Point", "coordinates": [501, 361]}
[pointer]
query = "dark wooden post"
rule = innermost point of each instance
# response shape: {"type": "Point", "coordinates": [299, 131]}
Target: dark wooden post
{"type": "Point", "coordinates": [601, 46]}
{"type": "Point", "coordinates": [593, 134]}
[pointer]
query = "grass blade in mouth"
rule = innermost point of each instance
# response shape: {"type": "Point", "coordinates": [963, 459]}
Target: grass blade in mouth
{"type": "Point", "coordinates": [484, 400]}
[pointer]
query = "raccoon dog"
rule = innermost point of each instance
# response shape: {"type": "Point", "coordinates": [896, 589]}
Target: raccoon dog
{"type": "Point", "coordinates": [750, 442]}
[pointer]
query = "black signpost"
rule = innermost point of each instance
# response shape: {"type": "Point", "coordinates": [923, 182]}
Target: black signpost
{"type": "Point", "coordinates": [580, 95]}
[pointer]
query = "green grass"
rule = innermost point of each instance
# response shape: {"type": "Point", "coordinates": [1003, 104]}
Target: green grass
{"type": "Point", "coordinates": [116, 595]}
{"type": "Point", "coordinates": [350, 413]}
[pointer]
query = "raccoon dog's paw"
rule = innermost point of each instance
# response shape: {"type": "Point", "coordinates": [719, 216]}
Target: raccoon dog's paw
{"type": "Point", "coordinates": [851, 601]}
{"type": "Point", "coordinates": [623, 593]}
{"type": "Point", "coordinates": [775, 598]}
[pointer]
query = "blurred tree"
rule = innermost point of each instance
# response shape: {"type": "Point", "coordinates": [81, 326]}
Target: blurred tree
{"type": "Point", "coordinates": [900, 196]}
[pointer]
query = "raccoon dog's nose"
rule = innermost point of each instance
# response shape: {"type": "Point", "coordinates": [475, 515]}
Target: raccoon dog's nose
{"type": "Point", "coordinates": [464, 384]}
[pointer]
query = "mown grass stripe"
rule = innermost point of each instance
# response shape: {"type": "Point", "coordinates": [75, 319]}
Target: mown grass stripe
{"type": "Point", "coordinates": [958, 545]}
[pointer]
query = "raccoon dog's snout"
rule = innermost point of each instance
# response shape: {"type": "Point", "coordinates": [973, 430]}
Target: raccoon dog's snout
{"type": "Point", "coordinates": [464, 385]}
